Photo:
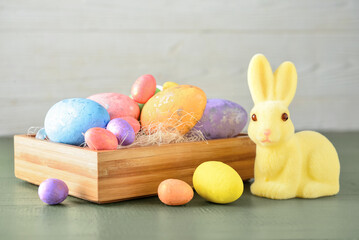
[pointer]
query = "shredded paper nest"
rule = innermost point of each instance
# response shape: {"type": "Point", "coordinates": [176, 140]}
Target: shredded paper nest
{"type": "Point", "coordinates": [159, 137]}
{"type": "Point", "coordinates": [158, 133]}
{"type": "Point", "coordinates": [167, 132]}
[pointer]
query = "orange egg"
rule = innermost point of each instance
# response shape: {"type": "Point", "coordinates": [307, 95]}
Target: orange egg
{"type": "Point", "coordinates": [100, 139]}
{"type": "Point", "coordinates": [174, 192]}
{"type": "Point", "coordinates": [174, 109]}
{"type": "Point", "coordinates": [133, 122]}
{"type": "Point", "coordinates": [143, 88]}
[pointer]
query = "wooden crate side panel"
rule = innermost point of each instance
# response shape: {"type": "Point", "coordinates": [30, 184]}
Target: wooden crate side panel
{"type": "Point", "coordinates": [117, 189]}
{"type": "Point", "coordinates": [37, 160]}
{"type": "Point", "coordinates": [137, 172]}
{"type": "Point", "coordinates": [174, 155]}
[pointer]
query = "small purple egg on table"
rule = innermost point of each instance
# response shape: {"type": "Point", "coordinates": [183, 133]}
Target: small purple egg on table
{"type": "Point", "coordinates": [100, 139]}
{"type": "Point", "coordinates": [122, 130]}
{"type": "Point", "coordinates": [53, 191]}
{"type": "Point", "coordinates": [41, 134]}
{"type": "Point", "coordinates": [143, 88]}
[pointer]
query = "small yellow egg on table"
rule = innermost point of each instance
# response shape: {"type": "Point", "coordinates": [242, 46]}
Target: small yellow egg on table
{"type": "Point", "coordinates": [217, 182]}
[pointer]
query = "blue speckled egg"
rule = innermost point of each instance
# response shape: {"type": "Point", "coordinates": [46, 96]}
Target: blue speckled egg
{"type": "Point", "coordinates": [68, 120]}
{"type": "Point", "coordinates": [222, 119]}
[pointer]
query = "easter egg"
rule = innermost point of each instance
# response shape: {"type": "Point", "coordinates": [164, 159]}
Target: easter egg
{"type": "Point", "coordinates": [122, 130]}
{"type": "Point", "coordinates": [41, 134]}
{"type": "Point", "coordinates": [158, 89]}
{"type": "Point", "coordinates": [174, 192]}
{"type": "Point", "coordinates": [53, 191]}
{"type": "Point", "coordinates": [117, 105]}
{"type": "Point", "coordinates": [100, 139]}
{"type": "Point", "coordinates": [133, 122]}
{"type": "Point", "coordinates": [174, 109]}
{"type": "Point", "coordinates": [167, 85]}
{"type": "Point", "coordinates": [143, 88]}
{"type": "Point", "coordinates": [140, 105]}
{"type": "Point", "coordinates": [217, 182]}
{"type": "Point", "coordinates": [222, 119]}
{"type": "Point", "coordinates": [69, 119]}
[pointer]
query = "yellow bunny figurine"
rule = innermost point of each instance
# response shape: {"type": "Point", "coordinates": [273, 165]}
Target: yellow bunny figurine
{"type": "Point", "coordinates": [287, 164]}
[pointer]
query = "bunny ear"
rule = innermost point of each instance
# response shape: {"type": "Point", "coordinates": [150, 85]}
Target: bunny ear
{"type": "Point", "coordinates": [260, 79]}
{"type": "Point", "coordinates": [285, 82]}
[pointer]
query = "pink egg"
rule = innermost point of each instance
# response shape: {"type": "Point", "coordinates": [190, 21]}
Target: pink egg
{"type": "Point", "coordinates": [117, 105]}
{"type": "Point", "coordinates": [143, 88]}
{"type": "Point", "coordinates": [133, 122]}
{"type": "Point", "coordinates": [100, 139]}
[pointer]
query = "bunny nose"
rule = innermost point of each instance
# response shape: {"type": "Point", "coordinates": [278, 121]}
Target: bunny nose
{"type": "Point", "coordinates": [267, 132]}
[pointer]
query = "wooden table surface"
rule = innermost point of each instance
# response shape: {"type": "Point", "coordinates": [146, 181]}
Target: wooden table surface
{"type": "Point", "coordinates": [24, 216]}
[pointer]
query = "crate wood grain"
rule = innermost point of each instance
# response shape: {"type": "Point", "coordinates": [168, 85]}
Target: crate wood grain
{"type": "Point", "coordinates": [110, 176]}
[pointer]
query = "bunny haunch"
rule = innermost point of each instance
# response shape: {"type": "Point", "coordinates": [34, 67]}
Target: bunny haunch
{"type": "Point", "coordinates": [287, 164]}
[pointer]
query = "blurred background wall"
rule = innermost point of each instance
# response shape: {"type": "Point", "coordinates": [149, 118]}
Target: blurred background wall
{"type": "Point", "coordinates": [51, 50]}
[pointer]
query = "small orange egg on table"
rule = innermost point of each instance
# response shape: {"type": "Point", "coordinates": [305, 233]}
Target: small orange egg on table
{"type": "Point", "coordinates": [133, 122]}
{"type": "Point", "coordinates": [143, 88]}
{"type": "Point", "coordinates": [174, 192]}
{"type": "Point", "coordinates": [100, 139]}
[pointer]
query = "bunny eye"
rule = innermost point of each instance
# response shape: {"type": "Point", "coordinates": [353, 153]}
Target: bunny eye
{"type": "Point", "coordinates": [285, 117]}
{"type": "Point", "coordinates": [254, 117]}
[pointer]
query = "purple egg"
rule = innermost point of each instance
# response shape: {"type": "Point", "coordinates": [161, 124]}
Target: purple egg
{"type": "Point", "coordinates": [53, 191]}
{"type": "Point", "coordinates": [222, 119]}
{"type": "Point", "coordinates": [122, 130]}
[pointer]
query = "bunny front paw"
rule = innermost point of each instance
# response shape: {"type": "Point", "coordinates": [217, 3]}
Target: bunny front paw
{"type": "Point", "coordinates": [272, 190]}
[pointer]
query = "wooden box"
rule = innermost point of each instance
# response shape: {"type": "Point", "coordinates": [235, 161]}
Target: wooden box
{"type": "Point", "coordinates": [110, 176]}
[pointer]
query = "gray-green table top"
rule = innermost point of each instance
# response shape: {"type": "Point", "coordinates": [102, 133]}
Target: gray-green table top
{"type": "Point", "coordinates": [24, 216]}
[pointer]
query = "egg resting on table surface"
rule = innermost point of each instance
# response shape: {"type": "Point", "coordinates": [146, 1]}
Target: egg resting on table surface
{"type": "Point", "coordinates": [217, 182]}
{"type": "Point", "coordinates": [174, 192]}
{"type": "Point", "coordinates": [53, 191]}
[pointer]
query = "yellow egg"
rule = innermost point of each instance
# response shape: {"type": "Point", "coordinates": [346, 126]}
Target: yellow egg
{"type": "Point", "coordinates": [217, 182]}
{"type": "Point", "coordinates": [167, 85]}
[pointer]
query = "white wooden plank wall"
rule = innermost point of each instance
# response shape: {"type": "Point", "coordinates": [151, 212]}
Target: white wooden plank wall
{"type": "Point", "coordinates": [51, 50]}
